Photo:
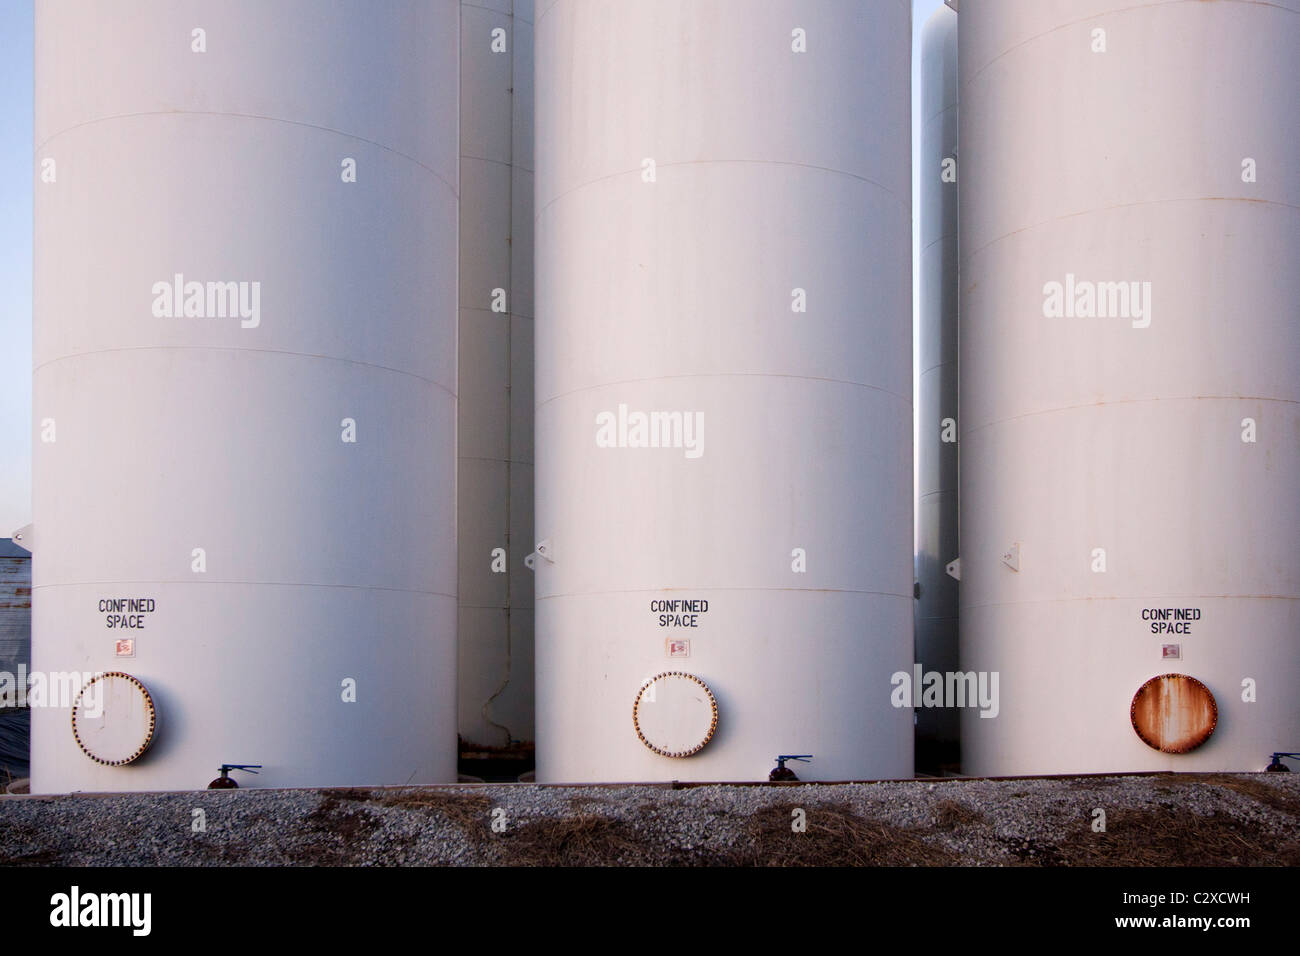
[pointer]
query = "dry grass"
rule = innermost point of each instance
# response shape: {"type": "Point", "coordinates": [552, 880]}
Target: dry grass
{"type": "Point", "coordinates": [350, 826]}
{"type": "Point", "coordinates": [584, 840]}
{"type": "Point", "coordinates": [1266, 794]}
{"type": "Point", "coordinates": [950, 814]}
{"type": "Point", "coordinates": [342, 818]}
{"type": "Point", "coordinates": [468, 811]}
{"type": "Point", "coordinates": [836, 836]}
{"type": "Point", "coordinates": [337, 823]}
{"type": "Point", "coordinates": [1167, 837]}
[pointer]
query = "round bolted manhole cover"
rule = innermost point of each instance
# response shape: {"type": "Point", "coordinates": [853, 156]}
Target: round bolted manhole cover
{"type": "Point", "coordinates": [1174, 713]}
{"type": "Point", "coordinates": [675, 714]}
{"type": "Point", "coordinates": [113, 718]}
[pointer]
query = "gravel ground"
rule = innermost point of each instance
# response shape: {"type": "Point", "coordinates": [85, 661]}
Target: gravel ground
{"type": "Point", "coordinates": [1166, 819]}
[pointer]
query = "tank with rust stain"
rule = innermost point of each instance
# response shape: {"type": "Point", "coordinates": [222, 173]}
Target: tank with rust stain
{"type": "Point", "coordinates": [1174, 713]}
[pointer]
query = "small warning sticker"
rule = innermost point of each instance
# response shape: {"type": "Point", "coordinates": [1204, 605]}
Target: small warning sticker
{"type": "Point", "coordinates": [676, 647]}
{"type": "Point", "coordinates": [124, 647]}
{"type": "Point", "coordinates": [1171, 652]}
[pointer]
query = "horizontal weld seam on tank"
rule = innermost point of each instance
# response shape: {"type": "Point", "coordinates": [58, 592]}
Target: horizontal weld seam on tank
{"type": "Point", "coordinates": [902, 3]}
{"type": "Point", "coordinates": [1106, 13]}
{"type": "Point", "coordinates": [237, 348]}
{"type": "Point", "coordinates": [504, 461]}
{"type": "Point", "coordinates": [905, 203]}
{"type": "Point", "coordinates": [478, 6]}
{"type": "Point", "coordinates": [513, 315]}
{"type": "Point", "coordinates": [945, 237]}
{"type": "Point", "coordinates": [555, 3]}
{"type": "Point", "coordinates": [538, 16]}
{"type": "Point", "coordinates": [705, 587]}
{"type": "Point", "coordinates": [941, 491]}
{"type": "Point", "coordinates": [1127, 401]}
{"type": "Point", "coordinates": [926, 121]}
{"type": "Point", "coordinates": [275, 584]}
{"type": "Point", "coordinates": [254, 116]}
{"type": "Point", "coordinates": [1123, 205]}
{"type": "Point", "coordinates": [1139, 597]}
{"type": "Point", "coordinates": [512, 14]}
{"type": "Point", "coordinates": [499, 162]}
{"type": "Point", "coordinates": [906, 399]}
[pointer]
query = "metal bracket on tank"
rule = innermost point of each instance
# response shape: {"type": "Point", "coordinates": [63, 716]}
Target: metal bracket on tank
{"type": "Point", "coordinates": [24, 538]}
{"type": "Point", "coordinates": [1011, 557]}
{"type": "Point", "coordinates": [544, 549]}
{"type": "Point", "coordinates": [954, 569]}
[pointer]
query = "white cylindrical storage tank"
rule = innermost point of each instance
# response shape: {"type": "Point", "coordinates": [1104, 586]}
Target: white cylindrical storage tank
{"type": "Point", "coordinates": [245, 389]}
{"type": "Point", "coordinates": [1130, 383]}
{"type": "Point", "coordinates": [937, 728]}
{"type": "Point", "coordinates": [724, 413]}
{"type": "Point", "coordinates": [495, 435]}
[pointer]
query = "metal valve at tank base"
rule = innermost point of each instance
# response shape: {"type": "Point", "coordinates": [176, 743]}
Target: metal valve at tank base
{"type": "Point", "coordinates": [224, 782]}
{"type": "Point", "coordinates": [781, 771]}
{"type": "Point", "coordinates": [1277, 766]}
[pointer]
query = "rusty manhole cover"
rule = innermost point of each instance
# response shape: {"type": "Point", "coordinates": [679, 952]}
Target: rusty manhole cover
{"type": "Point", "coordinates": [1174, 713]}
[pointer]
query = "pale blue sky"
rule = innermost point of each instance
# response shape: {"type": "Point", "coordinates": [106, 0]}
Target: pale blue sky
{"type": "Point", "coordinates": [15, 264]}
{"type": "Point", "coordinates": [16, 248]}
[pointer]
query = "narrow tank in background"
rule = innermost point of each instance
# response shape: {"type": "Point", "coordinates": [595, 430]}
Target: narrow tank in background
{"type": "Point", "coordinates": [495, 434]}
{"type": "Point", "coordinates": [937, 728]}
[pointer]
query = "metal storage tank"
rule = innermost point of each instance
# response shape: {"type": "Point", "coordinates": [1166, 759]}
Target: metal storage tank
{"type": "Point", "coordinates": [1130, 383]}
{"type": "Point", "coordinates": [495, 508]}
{"type": "Point", "coordinates": [937, 729]}
{"type": "Point", "coordinates": [723, 240]}
{"type": "Point", "coordinates": [245, 387]}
